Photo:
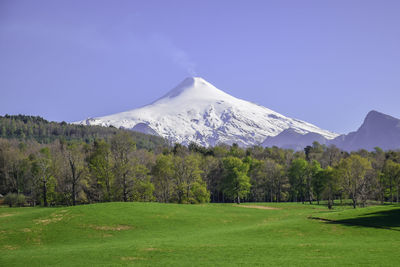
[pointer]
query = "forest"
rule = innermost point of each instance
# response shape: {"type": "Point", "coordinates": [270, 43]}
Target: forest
{"type": "Point", "coordinates": [49, 164]}
{"type": "Point", "coordinates": [23, 127]}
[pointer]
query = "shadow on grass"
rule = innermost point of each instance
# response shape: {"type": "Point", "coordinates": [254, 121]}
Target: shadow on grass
{"type": "Point", "coordinates": [388, 219]}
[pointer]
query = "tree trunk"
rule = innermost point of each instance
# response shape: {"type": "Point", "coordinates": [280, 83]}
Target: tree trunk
{"type": "Point", "coordinates": [187, 193]}
{"type": "Point", "coordinates": [238, 199]}
{"type": "Point", "coordinates": [354, 202]}
{"type": "Point", "coordinates": [73, 171]}
{"type": "Point", "coordinates": [271, 196]}
{"type": "Point", "coordinates": [329, 201]}
{"type": "Point", "coordinates": [108, 188]}
{"type": "Point", "coordinates": [165, 194]}
{"type": "Point", "coordinates": [45, 192]}
{"type": "Point", "coordinates": [278, 198]}
{"type": "Point", "coordinates": [391, 192]}
{"type": "Point", "coordinates": [17, 184]}
{"type": "Point", "coordinates": [124, 192]}
{"type": "Point", "coordinates": [73, 194]}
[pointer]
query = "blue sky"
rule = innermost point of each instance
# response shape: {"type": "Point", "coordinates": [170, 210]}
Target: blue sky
{"type": "Point", "coordinates": [325, 62]}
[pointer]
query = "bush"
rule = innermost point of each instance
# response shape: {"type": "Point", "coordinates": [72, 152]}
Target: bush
{"type": "Point", "coordinates": [10, 199]}
{"type": "Point", "coordinates": [200, 193]}
{"type": "Point", "coordinates": [21, 200]}
{"type": "Point", "coordinates": [13, 199]}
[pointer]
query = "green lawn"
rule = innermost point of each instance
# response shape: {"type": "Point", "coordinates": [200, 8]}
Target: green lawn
{"type": "Point", "coordinates": [213, 234]}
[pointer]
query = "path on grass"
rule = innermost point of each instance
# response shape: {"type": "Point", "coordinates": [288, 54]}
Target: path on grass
{"type": "Point", "coordinates": [257, 207]}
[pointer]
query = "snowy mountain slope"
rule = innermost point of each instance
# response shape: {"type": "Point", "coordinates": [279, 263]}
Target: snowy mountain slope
{"type": "Point", "coordinates": [196, 111]}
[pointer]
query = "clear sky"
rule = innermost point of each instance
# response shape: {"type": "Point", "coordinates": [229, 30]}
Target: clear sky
{"type": "Point", "coordinates": [325, 62]}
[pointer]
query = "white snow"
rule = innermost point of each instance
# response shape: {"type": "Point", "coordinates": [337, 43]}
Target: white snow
{"type": "Point", "coordinates": [196, 111]}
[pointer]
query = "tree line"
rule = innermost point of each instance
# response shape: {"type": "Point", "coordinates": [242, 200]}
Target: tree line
{"type": "Point", "coordinates": [115, 169]}
{"type": "Point", "coordinates": [23, 127]}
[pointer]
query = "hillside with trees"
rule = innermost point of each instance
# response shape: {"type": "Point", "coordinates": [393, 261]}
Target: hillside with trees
{"type": "Point", "coordinates": [36, 128]}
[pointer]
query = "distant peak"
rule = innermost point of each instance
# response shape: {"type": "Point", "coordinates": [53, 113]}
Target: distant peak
{"type": "Point", "coordinates": [377, 119]}
{"type": "Point", "coordinates": [374, 115]}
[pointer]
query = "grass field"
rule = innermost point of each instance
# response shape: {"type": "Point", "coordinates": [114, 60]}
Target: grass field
{"type": "Point", "coordinates": [212, 234]}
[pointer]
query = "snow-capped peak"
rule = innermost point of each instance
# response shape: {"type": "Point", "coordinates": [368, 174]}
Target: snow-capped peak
{"type": "Point", "coordinates": [197, 111]}
{"type": "Point", "coordinates": [195, 87]}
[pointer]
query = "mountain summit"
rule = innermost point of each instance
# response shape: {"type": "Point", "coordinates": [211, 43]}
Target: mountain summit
{"type": "Point", "coordinates": [196, 111]}
{"type": "Point", "coordinates": [196, 87]}
{"type": "Point", "coordinates": [377, 130]}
